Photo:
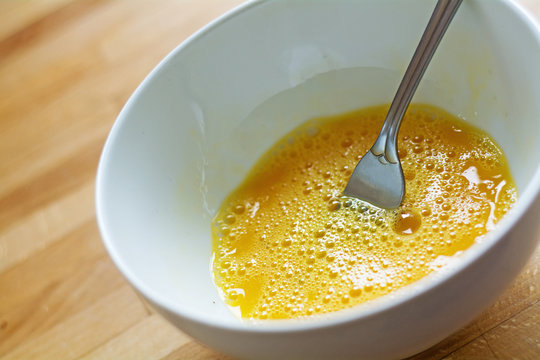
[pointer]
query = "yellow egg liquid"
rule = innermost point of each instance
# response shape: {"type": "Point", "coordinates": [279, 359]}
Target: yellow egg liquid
{"type": "Point", "coordinates": [287, 244]}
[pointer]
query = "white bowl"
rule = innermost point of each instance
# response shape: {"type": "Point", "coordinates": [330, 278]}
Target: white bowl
{"type": "Point", "coordinates": [193, 128]}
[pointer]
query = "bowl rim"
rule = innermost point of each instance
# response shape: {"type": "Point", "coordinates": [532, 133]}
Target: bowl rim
{"type": "Point", "coordinates": [366, 310]}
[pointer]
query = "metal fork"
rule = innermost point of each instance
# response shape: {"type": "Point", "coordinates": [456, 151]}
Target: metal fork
{"type": "Point", "coordinates": [378, 177]}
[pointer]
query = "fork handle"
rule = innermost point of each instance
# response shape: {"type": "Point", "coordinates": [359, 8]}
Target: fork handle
{"type": "Point", "coordinates": [386, 143]}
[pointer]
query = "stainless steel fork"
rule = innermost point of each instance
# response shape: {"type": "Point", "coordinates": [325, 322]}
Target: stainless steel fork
{"type": "Point", "coordinates": [378, 177]}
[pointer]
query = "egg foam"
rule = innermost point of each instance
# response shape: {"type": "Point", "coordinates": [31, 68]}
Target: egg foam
{"type": "Point", "coordinates": [288, 244]}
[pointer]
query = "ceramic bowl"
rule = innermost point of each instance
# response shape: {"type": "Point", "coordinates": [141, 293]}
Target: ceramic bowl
{"type": "Point", "coordinates": [203, 116]}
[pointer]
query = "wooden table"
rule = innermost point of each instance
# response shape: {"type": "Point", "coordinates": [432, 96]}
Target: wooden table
{"type": "Point", "coordinates": [66, 69]}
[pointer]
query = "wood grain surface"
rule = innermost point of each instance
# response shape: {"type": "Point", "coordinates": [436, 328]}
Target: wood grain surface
{"type": "Point", "coordinates": [66, 69]}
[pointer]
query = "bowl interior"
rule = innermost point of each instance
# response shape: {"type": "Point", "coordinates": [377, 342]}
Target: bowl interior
{"type": "Point", "coordinates": [192, 130]}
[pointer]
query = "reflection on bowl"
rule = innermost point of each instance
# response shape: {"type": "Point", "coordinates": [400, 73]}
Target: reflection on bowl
{"type": "Point", "coordinates": [194, 127]}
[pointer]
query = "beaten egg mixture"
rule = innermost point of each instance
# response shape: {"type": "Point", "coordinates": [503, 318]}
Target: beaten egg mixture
{"type": "Point", "coordinates": [288, 244]}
